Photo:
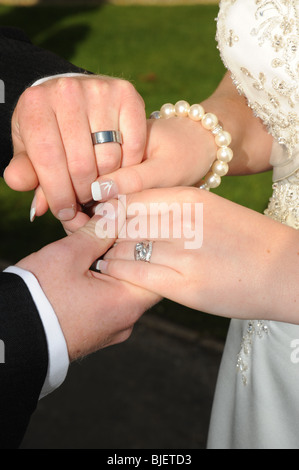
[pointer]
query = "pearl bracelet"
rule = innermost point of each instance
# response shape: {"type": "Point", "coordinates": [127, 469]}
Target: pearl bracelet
{"type": "Point", "coordinates": [210, 122]}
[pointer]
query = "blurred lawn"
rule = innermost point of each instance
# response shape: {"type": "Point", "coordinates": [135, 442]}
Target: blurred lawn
{"type": "Point", "coordinates": [169, 53]}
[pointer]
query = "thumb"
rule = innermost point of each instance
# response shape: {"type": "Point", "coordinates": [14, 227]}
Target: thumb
{"type": "Point", "coordinates": [127, 180]}
{"type": "Point", "coordinates": [92, 240]}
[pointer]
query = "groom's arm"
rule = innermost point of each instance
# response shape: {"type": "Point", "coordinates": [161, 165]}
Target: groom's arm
{"type": "Point", "coordinates": [23, 360]}
{"type": "Point", "coordinates": [21, 64]}
{"type": "Point", "coordinates": [25, 348]}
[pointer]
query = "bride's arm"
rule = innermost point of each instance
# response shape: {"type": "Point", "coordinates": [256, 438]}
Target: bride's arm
{"type": "Point", "coordinates": [238, 264]}
{"type": "Point", "coordinates": [251, 142]}
{"type": "Point", "coordinates": [180, 151]}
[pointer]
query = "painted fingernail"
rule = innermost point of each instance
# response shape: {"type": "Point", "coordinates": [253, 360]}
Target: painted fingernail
{"type": "Point", "coordinates": [104, 190]}
{"type": "Point", "coordinates": [101, 265]}
{"type": "Point", "coordinates": [66, 214]}
{"type": "Point", "coordinates": [33, 209]}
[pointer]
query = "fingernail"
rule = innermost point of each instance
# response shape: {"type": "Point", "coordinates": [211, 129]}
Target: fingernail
{"type": "Point", "coordinates": [104, 190]}
{"type": "Point", "coordinates": [66, 214]}
{"type": "Point", "coordinates": [33, 209]}
{"type": "Point", "coordinates": [101, 266]}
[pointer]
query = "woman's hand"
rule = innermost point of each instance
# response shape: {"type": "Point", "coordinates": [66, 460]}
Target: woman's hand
{"type": "Point", "coordinates": [209, 254]}
{"type": "Point", "coordinates": [51, 132]}
{"type": "Point", "coordinates": [179, 152]}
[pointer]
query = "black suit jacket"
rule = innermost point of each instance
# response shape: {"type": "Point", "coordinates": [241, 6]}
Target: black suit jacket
{"type": "Point", "coordinates": [23, 373]}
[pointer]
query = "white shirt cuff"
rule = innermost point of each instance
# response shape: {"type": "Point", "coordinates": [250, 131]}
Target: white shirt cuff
{"type": "Point", "coordinates": [58, 359]}
{"type": "Point", "coordinates": [69, 74]}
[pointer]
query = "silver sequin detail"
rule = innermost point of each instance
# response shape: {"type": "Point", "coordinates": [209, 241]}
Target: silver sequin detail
{"type": "Point", "coordinates": [255, 329]}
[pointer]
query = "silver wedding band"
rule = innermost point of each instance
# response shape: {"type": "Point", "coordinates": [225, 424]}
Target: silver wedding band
{"type": "Point", "coordinates": [104, 137]}
{"type": "Point", "coordinates": [143, 251]}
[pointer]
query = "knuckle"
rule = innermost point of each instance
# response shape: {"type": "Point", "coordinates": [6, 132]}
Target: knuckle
{"type": "Point", "coordinates": [125, 91]}
{"type": "Point", "coordinates": [31, 97]}
{"type": "Point", "coordinates": [130, 93]}
{"type": "Point", "coordinates": [117, 90]}
{"type": "Point", "coordinates": [68, 86]}
{"type": "Point", "coordinates": [127, 88]}
{"type": "Point", "coordinates": [100, 87]}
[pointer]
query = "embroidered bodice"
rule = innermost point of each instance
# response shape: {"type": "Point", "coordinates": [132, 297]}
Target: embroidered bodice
{"type": "Point", "coordinates": [262, 54]}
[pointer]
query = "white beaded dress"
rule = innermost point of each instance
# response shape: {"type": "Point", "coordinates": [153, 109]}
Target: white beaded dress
{"type": "Point", "coordinates": [256, 404]}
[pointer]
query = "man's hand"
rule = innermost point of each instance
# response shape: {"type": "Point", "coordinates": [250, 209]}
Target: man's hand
{"type": "Point", "coordinates": [51, 132]}
{"type": "Point", "coordinates": [94, 310]}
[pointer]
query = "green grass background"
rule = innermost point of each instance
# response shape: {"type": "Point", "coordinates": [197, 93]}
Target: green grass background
{"type": "Point", "coordinates": [168, 53]}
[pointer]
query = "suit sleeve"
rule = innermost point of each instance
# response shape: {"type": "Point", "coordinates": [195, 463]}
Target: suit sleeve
{"type": "Point", "coordinates": [21, 64]}
{"type": "Point", "coordinates": [24, 369]}
{"type": "Point", "coordinates": [24, 359]}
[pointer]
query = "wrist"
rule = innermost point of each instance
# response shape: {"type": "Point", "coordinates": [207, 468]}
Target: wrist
{"type": "Point", "coordinates": [210, 123]}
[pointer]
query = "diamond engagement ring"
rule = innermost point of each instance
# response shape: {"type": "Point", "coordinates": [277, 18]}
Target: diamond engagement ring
{"type": "Point", "coordinates": [103, 137]}
{"type": "Point", "coordinates": [143, 251]}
